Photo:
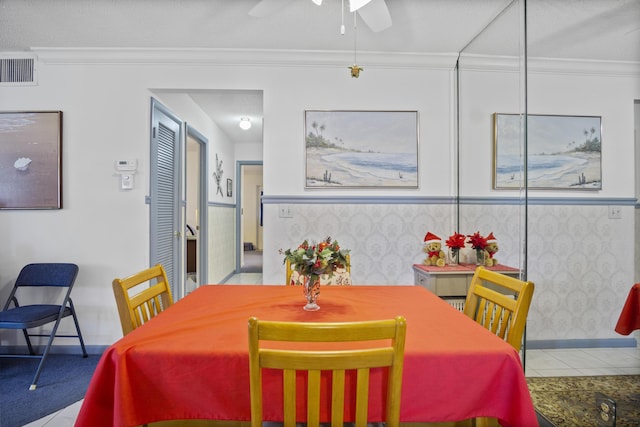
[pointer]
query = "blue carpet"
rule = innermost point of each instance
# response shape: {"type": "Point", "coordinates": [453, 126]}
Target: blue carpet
{"type": "Point", "coordinates": [63, 381]}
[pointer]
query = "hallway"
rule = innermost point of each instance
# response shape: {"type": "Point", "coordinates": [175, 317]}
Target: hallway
{"type": "Point", "coordinates": [252, 262]}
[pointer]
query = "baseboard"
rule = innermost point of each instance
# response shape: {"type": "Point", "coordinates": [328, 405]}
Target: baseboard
{"type": "Point", "coordinates": [17, 350]}
{"type": "Point", "coordinates": [581, 343]}
{"type": "Point", "coordinates": [531, 345]}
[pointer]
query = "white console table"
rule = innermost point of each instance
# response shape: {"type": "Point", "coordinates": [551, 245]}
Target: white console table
{"type": "Point", "coordinates": [452, 282]}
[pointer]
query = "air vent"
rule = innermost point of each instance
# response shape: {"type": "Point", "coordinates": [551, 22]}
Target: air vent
{"type": "Point", "coordinates": [17, 70]}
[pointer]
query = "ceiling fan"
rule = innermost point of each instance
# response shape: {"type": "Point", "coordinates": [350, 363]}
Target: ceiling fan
{"type": "Point", "coordinates": [374, 13]}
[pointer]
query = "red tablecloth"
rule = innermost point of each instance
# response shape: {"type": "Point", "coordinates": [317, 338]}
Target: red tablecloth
{"type": "Point", "coordinates": [191, 361]}
{"type": "Point", "coordinates": [629, 319]}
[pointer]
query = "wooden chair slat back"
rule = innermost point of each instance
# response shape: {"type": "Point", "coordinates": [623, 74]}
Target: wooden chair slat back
{"type": "Point", "coordinates": [500, 303]}
{"type": "Point", "coordinates": [388, 352]}
{"type": "Point", "coordinates": [141, 306]}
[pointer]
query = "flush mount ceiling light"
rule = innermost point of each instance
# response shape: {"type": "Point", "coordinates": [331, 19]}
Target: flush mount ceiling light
{"type": "Point", "coordinates": [245, 123]}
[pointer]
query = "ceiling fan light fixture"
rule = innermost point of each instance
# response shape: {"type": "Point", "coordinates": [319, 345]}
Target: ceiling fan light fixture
{"type": "Point", "coordinates": [245, 123]}
{"type": "Point", "coordinates": [357, 4]}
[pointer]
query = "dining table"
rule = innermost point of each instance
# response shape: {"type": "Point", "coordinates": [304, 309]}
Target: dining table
{"type": "Point", "coordinates": [629, 319]}
{"type": "Point", "coordinates": [191, 361]}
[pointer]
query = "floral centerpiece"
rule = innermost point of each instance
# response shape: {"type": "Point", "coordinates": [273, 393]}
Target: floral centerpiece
{"type": "Point", "coordinates": [478, 243]}
{"type": "Point", "coordinates": [312, 260]}
{"type": "Point", "coordinates": [455, 242]}
{"type": "Point", "coordinates": [315, 259]}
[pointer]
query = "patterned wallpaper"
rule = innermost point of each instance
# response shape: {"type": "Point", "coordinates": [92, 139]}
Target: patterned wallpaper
{"type": "Point", "coordinates": [583, 265]}
{"type": "Point", "coordinates": [581, 262]}
{"type": "Point", "coordinates": [222, 240]}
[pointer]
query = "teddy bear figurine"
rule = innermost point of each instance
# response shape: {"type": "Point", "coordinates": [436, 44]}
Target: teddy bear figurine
{"type": "Point", "coordinates": [491, 249]}
{"type": "Point", "coordinates": [433, 248]}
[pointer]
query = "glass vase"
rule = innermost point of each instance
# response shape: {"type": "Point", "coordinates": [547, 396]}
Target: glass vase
{"type": "Point", "coordinates": [311, 289]}
{"type": "Point", "coordinates": [480, 256]}
{"type": "Point", "coordinates": [454, 256]}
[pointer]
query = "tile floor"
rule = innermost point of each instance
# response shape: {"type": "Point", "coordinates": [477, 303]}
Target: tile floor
{"type": "Point", "coordinates": [539, 363]}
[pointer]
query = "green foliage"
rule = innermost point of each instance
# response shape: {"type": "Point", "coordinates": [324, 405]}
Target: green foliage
{"type": "Point", "coordinates": [314, 260]}
{"type": "Point", "coordinates": [591, 143]}
{"type": "Point", "coordinates": [319, 141]}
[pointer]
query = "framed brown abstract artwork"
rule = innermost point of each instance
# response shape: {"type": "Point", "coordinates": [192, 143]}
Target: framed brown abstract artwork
{"type": "Point", "coordinates": [31, 160]}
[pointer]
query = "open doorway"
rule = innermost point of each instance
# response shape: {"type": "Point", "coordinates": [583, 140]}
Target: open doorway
{"type": "Point", "coordinates": [250, 221]}
{"type": "Point", "coordinates": [195, 204]}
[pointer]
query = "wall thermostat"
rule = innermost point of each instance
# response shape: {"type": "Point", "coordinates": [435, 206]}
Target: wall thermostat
{"type": "Point", "coordinates": [126, 165]}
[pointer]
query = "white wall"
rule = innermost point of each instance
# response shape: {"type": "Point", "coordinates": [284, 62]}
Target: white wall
{"type": "Point", "coordinates": [105, 97]}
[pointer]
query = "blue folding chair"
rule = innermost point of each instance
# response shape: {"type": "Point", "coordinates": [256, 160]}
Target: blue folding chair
{"type": "Point", "coordinates": [31, 316]}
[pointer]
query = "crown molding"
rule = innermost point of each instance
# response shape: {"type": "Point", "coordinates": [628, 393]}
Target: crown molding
{"type": "Point", "coordinates": [584, 67]}
{"type": "Point", "coordinates": [252, 57]}
{"type": "Point", "coordinates": [328, 58]}
{"type": "Point", "coordinates": [539, 65]}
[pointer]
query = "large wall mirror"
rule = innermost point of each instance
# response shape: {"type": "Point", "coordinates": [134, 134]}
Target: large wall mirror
{"type": "Point", "coordinates": [491, 78]}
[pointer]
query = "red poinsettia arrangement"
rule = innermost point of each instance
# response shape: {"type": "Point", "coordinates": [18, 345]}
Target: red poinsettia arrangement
{"type": "Point", "coordinates": [477, 241]}
{"type": "Point", "coordinates": [456, 241]}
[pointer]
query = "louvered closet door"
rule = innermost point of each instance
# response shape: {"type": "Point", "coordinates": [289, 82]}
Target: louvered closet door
{"type": "Point", "coordinates": [164, 192]}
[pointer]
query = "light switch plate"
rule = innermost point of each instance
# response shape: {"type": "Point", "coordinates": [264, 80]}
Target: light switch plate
{"type": "Point", "coordinates": [285, 211]}
{"type": "Point", "coordinates": [615, 212]}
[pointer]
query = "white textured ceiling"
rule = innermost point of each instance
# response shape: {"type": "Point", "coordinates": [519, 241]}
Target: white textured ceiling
{"type": "Point", "coordinates": [575, 29]}
{"type": "Point", "coordinates": [596, 29]}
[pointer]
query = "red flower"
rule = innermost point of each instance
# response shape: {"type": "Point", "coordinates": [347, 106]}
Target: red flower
{"type": "Point", "coordinates": [456, 241]}
{"type": "Point", "coordinates": [477, 241]}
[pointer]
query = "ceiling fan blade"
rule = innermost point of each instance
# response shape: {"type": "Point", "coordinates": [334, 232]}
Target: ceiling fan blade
{"type": "Point", "coordinates": [357, 4]}
{"type": "Point", "coordinates": [376, 15]}
{"type": "Point", "coordinates": [267, 7]}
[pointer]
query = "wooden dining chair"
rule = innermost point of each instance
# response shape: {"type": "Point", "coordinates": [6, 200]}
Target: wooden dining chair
{"type": "Point", "coordinates": [137, 306]}
{"type": "Point", "coordinates": [390, 354]}
{"type": "Point", "coordinates": [290, 273]}
{"type": "Point", "coordinates": [500, 303]}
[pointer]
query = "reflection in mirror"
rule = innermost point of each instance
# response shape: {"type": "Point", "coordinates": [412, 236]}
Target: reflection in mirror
{"type": "Point", "coordinates": [491, 78]}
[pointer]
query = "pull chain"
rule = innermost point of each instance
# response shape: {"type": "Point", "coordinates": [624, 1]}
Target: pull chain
{"type": "Point", "coordinates": [355, 70]}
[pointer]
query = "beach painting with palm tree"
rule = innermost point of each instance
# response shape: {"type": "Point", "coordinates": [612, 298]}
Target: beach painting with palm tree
{"type": "Point", "coordinates": [564, 152]}
{"type": "Point", "coordinates": [361, 149]}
